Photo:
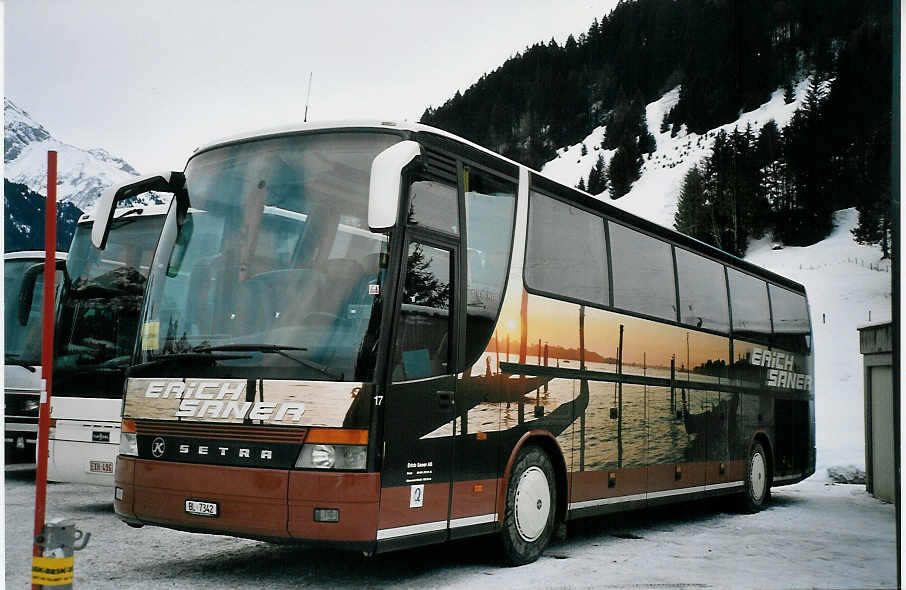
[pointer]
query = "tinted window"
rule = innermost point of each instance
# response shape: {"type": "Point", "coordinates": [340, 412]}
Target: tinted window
{"type": "Point", "coordinates": [423, 334]}
{"type": "Point", "coordinates": [791, 325]}
{"type": "Point", "coordinates": [490, 204]}
{"type": "Point", "coordinates": [749, 301]}
{"type": "Point", "coordinates": [642, 273]}
{"type": "Point", "coordinates": [702, 291]}
{"type": "Point", "coordinates": [566, 253]}
{"type": "Point", "coordinates": [275, 250]}
{"type": "Point", "coordinates": [434, 204]}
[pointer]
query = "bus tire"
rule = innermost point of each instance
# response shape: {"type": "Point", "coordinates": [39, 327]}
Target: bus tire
{"type": "Point", "coordinates": [757, 480]}
{"type": "Point", "coordinates": [531, 501]}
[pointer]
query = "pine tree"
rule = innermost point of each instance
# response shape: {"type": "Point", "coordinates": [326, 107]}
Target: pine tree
{"type": "Point", "coordinates": [581, 185]}
{"type": "Point", "coordinates": [789, 95]}
{"type": "Point", "coordinates": [623, 170]}
{"type": "Point", "coordinates": [422, 287]}
{"type": "Point", "coordinates": [692, 213]}
{"type": "Point", "coordinates": [597, 178]}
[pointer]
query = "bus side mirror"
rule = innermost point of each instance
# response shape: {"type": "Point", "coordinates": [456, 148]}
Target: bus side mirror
{"type": "Point", "coordinates": [384, 190]}
{"type": "Point", "coordinates": [166, 182]}
{"type": "Point", "coordinates": [27, 288]}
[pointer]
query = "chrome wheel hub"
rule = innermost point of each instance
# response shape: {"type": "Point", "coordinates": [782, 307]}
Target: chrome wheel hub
{"type": "Point", "coordinates": [533, 503]}
{"type": "Point", "coordinates": [758, 476]}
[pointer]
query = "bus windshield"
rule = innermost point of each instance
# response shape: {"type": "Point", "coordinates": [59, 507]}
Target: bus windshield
{"type": "Point", "coordinates": [274, 272]}
{"type": "Point", "coordinates": [22, 343]}
{"type": "Point", "coordinates": [98, 315]}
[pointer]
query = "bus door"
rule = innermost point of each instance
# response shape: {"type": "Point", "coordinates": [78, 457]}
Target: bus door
{"type": "Point", "coordinates": [419, 410]}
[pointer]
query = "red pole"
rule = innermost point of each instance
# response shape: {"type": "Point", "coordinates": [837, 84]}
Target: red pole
{"type": "Point", "coordinates": [50, 271]}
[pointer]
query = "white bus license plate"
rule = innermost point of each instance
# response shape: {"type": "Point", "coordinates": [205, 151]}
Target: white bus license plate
{"type": "Point", "coordinates": [201, 508]}
{"type": "Point", "coordinates": [100, 467]}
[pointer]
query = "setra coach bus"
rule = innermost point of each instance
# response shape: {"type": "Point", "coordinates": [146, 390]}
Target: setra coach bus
{"type": "Point", "coordinates": [381, 335]}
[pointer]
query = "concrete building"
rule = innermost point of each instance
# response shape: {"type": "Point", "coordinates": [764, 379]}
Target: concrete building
{"type": "Point", "coordinates": [881, 405]}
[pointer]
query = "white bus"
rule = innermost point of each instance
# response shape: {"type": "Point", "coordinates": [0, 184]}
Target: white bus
{"type": "Point", "coordinates": [97, 320]}
{"type": "Point", "coordinates": [22, 370]}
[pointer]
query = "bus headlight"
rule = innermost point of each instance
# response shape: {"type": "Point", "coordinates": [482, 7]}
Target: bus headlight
{"type": "Point", "coordinates": [128, 444]}
{"type": "Point", "coordinates": [321, 456]}
{"type": "Point", "coordinates": [128, 438]}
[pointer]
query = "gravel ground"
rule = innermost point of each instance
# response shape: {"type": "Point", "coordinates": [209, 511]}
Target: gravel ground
{"type": "Point", "coordinates": [814, 535]}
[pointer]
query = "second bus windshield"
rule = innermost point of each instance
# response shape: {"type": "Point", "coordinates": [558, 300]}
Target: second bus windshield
{"type": "Point", "coordinates": [99, 312]}
{"type": "Point", "coordinates": [274, 263]}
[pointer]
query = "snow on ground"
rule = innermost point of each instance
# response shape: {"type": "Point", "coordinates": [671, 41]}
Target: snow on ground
{"type": "Point", "coordinates": [844, 280]}
{"type": "Point", "coordinates": [813, 535]}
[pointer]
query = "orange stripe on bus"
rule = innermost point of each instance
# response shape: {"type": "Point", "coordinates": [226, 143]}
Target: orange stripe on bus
{"type": "Point", "coordinates": [128, 425]}
{"type": "Point", "coordinates": [340, 436]}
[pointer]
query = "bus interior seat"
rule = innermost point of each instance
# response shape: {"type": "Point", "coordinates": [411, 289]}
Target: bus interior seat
{"type": "Point", "coordinates": [285, 297]}
{"type": "Point", "coordinates": [344, 276]}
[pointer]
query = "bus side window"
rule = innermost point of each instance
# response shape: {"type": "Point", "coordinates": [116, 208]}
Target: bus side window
{"type": "Point", "coordinates": [642, 273]}
{"type": "Point", "coordinates": [791, 323]}
{"type": "Point", "coordinates": [749, 304]}
{"type": "Point", "coordinates": [434, 205]}
{"type": "Point", "coordinates": [422, 347]}
{"type": "Point", "coordinates": [702, 292]}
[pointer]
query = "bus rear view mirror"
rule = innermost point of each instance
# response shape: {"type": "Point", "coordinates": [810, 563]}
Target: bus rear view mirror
{"type": "Point", "coordinates": [165, 182]}
{"type": "Point", "coordinates": [384, 190]}
{"type": "Point", "coordinates": [27, 288]}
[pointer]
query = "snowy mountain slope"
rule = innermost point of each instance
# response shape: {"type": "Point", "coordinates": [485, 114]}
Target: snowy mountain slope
{"type": "Point", "coordinates": [82, 174]}
{"type": "Point", "coordinates": [654, 195]}
{"type": "Point", "coordinates": [19, 131]}
{"type": "Point", "coordinates": [844, 280]}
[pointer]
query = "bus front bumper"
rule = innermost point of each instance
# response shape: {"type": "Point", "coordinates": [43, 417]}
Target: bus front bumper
{"type": "Point", "coordinates": [257, 503]}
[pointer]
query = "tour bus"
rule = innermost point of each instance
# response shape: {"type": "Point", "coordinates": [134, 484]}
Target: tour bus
{"type": "Point", "coordinates": [96, 325]}
{"type": "Point", "coordinates": [381, 335]}
{"type": "Point", "coordinates": [22, 371]}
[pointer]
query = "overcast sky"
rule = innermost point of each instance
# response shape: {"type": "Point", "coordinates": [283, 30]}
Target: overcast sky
{"type": "Point", "coordinates": [150, 81]}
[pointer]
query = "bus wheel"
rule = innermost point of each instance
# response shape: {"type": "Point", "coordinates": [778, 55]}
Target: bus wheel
{"type": "Point", "coordinates": [757, 482]}
{"type": "Point", "coordinates": [531, 500]}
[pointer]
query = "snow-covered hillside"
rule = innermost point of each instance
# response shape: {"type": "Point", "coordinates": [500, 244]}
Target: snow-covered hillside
{"type": "Point", "coordinates": [654, 195]}
{"type": "Point", "coordinates": [845, 281]}
{"type": "Point", "coordinates": [848, 286]}
{"type": "Point", "coordinates": [82, 174]}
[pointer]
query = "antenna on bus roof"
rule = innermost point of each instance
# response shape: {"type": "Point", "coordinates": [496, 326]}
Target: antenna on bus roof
{"type": "Point", "coordinates": [307, 96]}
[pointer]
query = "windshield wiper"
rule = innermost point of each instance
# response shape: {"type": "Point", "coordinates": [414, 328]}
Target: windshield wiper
{"type": "Point", "coordinates": [200, 357]}
{"type": "Point", "coordinates": [275, 349]}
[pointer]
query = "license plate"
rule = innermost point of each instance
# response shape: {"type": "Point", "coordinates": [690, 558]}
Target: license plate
{"type": "Point", "coordinates": [100, 436]}
{"type": "Point", "coordinates": [100, 467]}
{"type": "Point", "coordinates": [199, 508]}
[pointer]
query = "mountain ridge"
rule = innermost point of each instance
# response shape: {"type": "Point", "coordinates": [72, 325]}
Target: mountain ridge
{"type": "Point", "coordinates": [82, 174]}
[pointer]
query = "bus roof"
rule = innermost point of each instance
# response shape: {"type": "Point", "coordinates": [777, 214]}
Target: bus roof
{"type": "Point", "coordinates": [576, 195]}
{"type": "Point", "coordinates": [31, 255]}
{"type": "Point", "coordinates": [139, 210]}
